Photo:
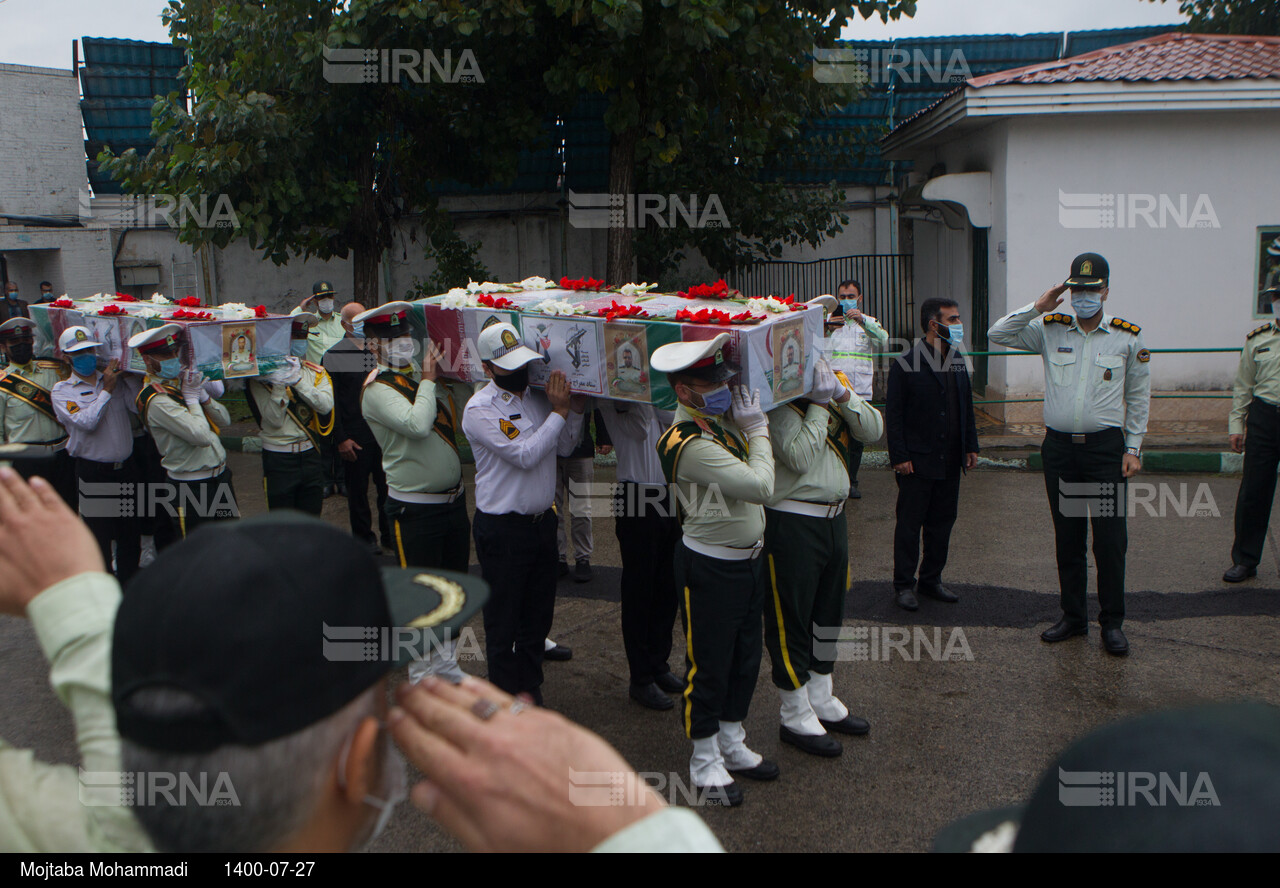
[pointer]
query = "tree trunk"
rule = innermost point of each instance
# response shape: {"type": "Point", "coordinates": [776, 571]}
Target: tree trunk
{"type": "Point", "coordinates": [364, 273]}
{"type": "Point", "coordinates": [620, 268]}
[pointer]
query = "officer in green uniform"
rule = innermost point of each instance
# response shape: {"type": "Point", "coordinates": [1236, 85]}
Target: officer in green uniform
{"type": "Point", "coordinates": [185, 423]}
{"type": "Point", "coordinates": [1255, 431]}
{"type": "Point", "coordinates": [721, 466]}
{"type": "Point", "coordinates": [35, 442]}
{"type": "Point", "coordinates": [806, 546]}
{"type": "Point", "coordinates": [323, 335]}
{"type": "Point", "coordinates": [294, 407]}
{"type": "Point", "coordinates": [414, 416]}
{"type": "Point", "coordinates": [1096, 401]}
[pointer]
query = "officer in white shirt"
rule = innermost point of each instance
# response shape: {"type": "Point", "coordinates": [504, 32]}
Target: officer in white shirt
{"type": "Point", "coordinates": [95, 410]}
{"type": "Point", "coordinates": [854, 338]}
{"type": "Point", "coordinates": [515, 435]}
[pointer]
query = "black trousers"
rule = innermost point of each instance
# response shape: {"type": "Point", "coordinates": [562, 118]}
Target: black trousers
{"type": "Point", "coordinates": [648, 531]}
{"type": "Point", "coordinates": [147, 457]}
{"type": "Point", "coordinates": [808, 577]}
{"type": "Point", "coordinates": [517, 556]}
{"type": "Point", "coordinates": [926, 509]}
{"type": "Point", "coordinates": [107, 519]}
{"type": "Point", "coordinates": [58, 469]}
{"type": "Point", "coordinates": [1258, 486]}
{"type": "Point", "coordinates": [293, 481]}
{"type": "Point", "coordinates": [431, 535]}
{"type": "Point", "coordinates": [722, 602]}
{"type": "Point", "coordinates": [328, 453]}
{"type": "Point", "coordinates": [1098, 467]}
{"type": "Point", "coordinates": [185, 505]}
{"type": "Point", "coordinates": [367, 465]}
{"type": "Point", "coordinates": [855, 460]}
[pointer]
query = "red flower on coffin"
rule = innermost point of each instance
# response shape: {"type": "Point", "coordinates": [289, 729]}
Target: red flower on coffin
{"type": "Point", "coordinates": [260, 311]}
{"type": "Point", "coordinates": [111, 310]}
{"type": "Point", "coordinates": [581, 284]}
{"type": "Point", "coordinates": [618, 310]}
{"type": "Point", "coordinates": [190, 302]}
{"type": "Point", "coordinates": [489, 301]}
{"type": "Point", "coordinates": [718, 290]}
{"type": "Point", "coordinates": [62, 303]}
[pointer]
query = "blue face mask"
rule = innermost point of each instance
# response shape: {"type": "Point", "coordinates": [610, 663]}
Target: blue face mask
{"type": "Point", "coordinates": [357, 330]}
{"type": "Point", "coordinates": [848, 305]}
{"type": "Point", "coordinates": [1086, 303]}
{"type": "Point", "coordinates": [955, 333]}
{"type": "Point", "coordinates": [169, 368]}
{"type": "Point", "coordinates": [85, 365]}
{"type": "Point", "coordinates": [716, 403]}
{"type": "Point", "coordinates": [298, 348]}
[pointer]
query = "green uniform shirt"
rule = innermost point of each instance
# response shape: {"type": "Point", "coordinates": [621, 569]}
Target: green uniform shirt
{"type": "Point", "coordinates": [315, 389]}
{"type": "Point", "coordinates": [809, 448]}
{"type": "Point", "coordinates": [1258, 376]}
{"type": "Point", "coordinates": [20, 423]}
{"type": "Point", "coordinates": [417, 437]}
{"type": "Point", "coordinates": [323, 336]}
{"type": "Point", "coordinates": [183, 435]}
{"type": "Point", "coordinates": [720, 496]}
{"type": "Point", "coordinates": [40, 804]}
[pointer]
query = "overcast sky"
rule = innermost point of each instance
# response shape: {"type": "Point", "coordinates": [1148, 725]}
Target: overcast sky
{"type": "Point", "coordinates": [39, 32]}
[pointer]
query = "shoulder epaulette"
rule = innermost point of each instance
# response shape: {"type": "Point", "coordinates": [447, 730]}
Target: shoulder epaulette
{"type": "Point", "coordinates": [1263, 329]}
{"type": "Point", "coordinates": [63, 368]}
{"type": "Point", "coordinates": [1058, 319]}
{"type": "Point", "coordinates": [1122, 324]}
{"type": "Point", "coordinates": [315, 367]}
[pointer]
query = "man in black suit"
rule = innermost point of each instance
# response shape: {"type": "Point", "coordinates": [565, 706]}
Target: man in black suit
{"type": "Point", "coordinates": [348, 364]}
{"type": "Point", "coordinates": [933, 438]}
{"type": "Point", "coordinates": [11, 306]}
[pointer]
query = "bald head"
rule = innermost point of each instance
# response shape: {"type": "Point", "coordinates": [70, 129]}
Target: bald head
{"type": "Point", "coordinates": [350, 310]}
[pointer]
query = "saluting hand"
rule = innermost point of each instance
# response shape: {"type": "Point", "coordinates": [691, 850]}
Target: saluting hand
{"type": "Point", "coordinates": [1051, 299]}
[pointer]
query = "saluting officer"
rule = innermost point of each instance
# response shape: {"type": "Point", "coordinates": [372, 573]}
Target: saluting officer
{"type": "Point", "coordinates": [722, 468]}
{"type": "Point", "coordinates": [415, 420]}
{"type": "Point", "coordinates": [185, 422]}
{"type": "Point", "coordinates": [1255, 431]}
{"type": "Point", "coordinates": [294, 407]}
{"type": "Point", "coordinates": [806, 542]}
{"type": "Point", "coordinates": [1097, 397]}
{"type": "Point", "coordinates": [27, 416]}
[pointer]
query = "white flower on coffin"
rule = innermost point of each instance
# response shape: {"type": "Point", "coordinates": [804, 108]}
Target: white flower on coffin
{"type": "Point", "coordinates": [489, 287]}
{"type": "Point", "coordinates": [101, 297]}
{"type": "Point", "coordinates": [634, 290]}
{"type": "Point", "coordinates": [157, 299]}
{"type": "Point", "coordinates": [145, 313]}
{"type": "Point", "coordinates": [459, 298]}
{"type": "Point", "coordinates": [237, 311]}
{"type": "Point", "coordinates": [768, 305]}
{"type": "Point", "coordinates": [557, 307]}
{"type": "Point", "coordinates": [537, 283]}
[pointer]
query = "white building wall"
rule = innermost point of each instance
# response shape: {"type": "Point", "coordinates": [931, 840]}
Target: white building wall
{"type": "Point", "coordinates": [41, 142]}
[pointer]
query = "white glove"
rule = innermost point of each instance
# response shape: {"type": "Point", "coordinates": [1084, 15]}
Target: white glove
{"type": "Point", "coordinates": [216, 388]}
{"type": "Point", "coordinates": [825, 383]}
{"type": "Point", "coordinates": [193, 387]}
{"type": "Point", "coordinates": [747, 414]}
{"type": "Point", "coordinates": [290, 374]}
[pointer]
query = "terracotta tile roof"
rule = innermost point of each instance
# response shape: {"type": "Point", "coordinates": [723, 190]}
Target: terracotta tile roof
{"type": "Point", "coordinates": [1174, 56]}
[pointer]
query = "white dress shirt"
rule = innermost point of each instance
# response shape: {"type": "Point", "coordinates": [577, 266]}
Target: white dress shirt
{"type": "Point", "coordinates": [96, 420]}
{"type": "Point", "coordinates": [515, 440]}
{"type": "Point", "coordinates": [635, 430]}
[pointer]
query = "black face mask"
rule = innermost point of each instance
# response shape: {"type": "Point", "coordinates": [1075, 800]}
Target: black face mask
{"type": "Point", "coordinates": [21, 352]}
{"type": "Point", "coordinates": [514, 382]}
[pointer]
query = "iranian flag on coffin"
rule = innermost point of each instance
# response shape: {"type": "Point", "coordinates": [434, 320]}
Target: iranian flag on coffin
{"type": "Point", "coordinates": [603, 340]}
{"type": "Point", "coordinates": [232, 342]}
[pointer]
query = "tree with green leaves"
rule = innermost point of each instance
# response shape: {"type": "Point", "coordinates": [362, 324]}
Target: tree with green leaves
{"type": "Point", "coordinates": [1259, 17]}
{"type": "Point", "coordinates": [318, 167]}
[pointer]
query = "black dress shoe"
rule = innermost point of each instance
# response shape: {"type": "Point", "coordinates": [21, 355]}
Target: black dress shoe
{"type": "Point", "coordinates": [854, 492]}
{"type": "Point", "coordinates": [328, 491]}
{"type": "Point", "coordinates": [582, 571]}
{"type": "Point", "coordinates": [563, 570]}
{"type": "Point", "coordinates": [670, 682]}
{"type": "Point", "coordinates": [823, 745]}
{"type": "Point", "coordinates": [1239, 573]}
{"type": "Point", "coordinates": [850, 724]}
{"type": "Point", "coordinates": [650, 696]}
{"type": "Point", "coordinates": [1062, 630]}
{"type": "Point", "coordinates": [906, 599]}
{"type": "Point", "coordinates": [939, 593]}
{"type": "Point", "coordinates": [729, 796]}
{"type": "Point", "coordinates": [559, 653]}
{"type": "Point", "coordinates": [1115, 642]}
{"type": "Point", "coordinates": [766, 770]}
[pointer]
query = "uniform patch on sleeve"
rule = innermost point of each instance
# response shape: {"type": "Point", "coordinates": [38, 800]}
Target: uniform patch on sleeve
{"type": "Point", "coordinates": [508, 428]}
{"type": "Point", "coordinates": [73, 407]}
{"type": "Point", "coordinates": [1143, 356]}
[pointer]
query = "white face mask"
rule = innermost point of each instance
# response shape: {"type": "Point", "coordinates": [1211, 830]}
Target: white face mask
{"type": "Point", "coordinates": [393, 789]}
{"type": "Point", "coordinates": [401, 351]}
{"type": "Point", "coordinates": [325, 306]}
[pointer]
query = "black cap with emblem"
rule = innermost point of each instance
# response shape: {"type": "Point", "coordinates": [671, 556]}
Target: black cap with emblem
{"type": "Point", "coordinates": [269, 642]}
{"type": "Point", "coordinates": [1089, 271]}
{"type": "Point", "coordinates": [322, 288]}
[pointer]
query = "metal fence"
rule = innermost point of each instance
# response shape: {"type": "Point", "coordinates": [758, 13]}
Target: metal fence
{"type": "Point", "coordinates": [887, 284]}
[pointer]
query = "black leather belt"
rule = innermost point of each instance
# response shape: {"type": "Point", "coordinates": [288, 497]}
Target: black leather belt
{"type": "Point", "coordinates": [1086, 438]}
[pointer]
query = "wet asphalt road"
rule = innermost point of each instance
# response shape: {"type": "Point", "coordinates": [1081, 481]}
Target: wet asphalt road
{"type": "Point", "coordinates": [949, 736]}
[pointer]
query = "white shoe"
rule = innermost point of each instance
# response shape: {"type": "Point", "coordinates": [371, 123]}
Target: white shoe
{"type": "Point", "coordinates": [824, 704]}
{"type": "Point", "coordinates": [798, 715]}
{"type": "Point", "coordinates": [733, 746]}
{"type": "Point", "coordinates": [706, 767]}
{"type": "Point", "coordinates": [548, 645]}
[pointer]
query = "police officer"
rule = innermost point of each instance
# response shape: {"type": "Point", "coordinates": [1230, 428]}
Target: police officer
{"type": "Point", "coordinates": [1255, 431]}
{"type": "Point", "coordinates": [27, 416]}
{"type": "Point", "coordinates": [854, 338]}
{"type": "Point", "coordinates": [806, 544]}
{"type": "Point", "coordinates": [323, 335]}
{"type": "Point", "coordinates": [1097, 397]}
{"type": "Point", "coordinates": [294, 407]}
{"type": "Point", "coordinates": [516, 435]}
{"type": "Point", "coordinates": [718, 457]}
{"type": "Point", "coordinates": [95, 408]}
{"type": "Point", "coordinates": [185, 422]}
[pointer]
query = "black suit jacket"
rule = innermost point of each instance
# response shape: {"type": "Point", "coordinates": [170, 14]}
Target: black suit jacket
{"type": "Point", "coordinates": [916, 409]}
{"type": "Point", "coordinates": [10, 310]}
{"type": "Point", "coordinates": [348, 365]}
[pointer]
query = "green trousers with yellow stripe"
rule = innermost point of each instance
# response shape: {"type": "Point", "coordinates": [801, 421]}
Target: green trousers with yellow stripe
{"type": "Point", "coordinates": [808, 568]}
